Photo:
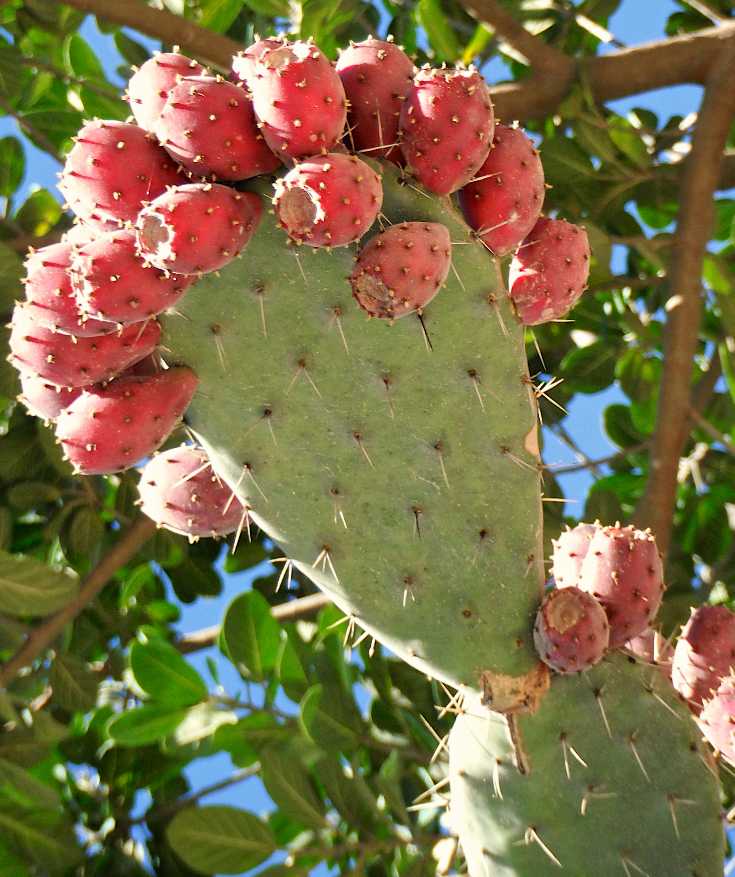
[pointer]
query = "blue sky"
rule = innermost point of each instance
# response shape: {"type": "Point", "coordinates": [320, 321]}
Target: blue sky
{"type": "Point", "coordinates": [637, 21]}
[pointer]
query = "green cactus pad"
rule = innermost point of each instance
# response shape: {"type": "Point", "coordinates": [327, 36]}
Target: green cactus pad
{"type": "Point", "coordinates": [403, 480]}
{"type": "Point", "coordinates": [609, 778]}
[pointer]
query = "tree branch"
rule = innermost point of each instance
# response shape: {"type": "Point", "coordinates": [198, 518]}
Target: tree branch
{"type": "Point", "coordinates": [304, 607]}
{"type": "Point", "coordinates": [684, 307]}
{"type": "Point", "coordinates": [203, 44]}
{"type": "Point", "coordinates": [541, 56]}
{"type": "Point", "coordinates": [42, 636]}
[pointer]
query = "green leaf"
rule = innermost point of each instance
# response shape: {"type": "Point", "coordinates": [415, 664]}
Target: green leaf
{"type": "Point", "coordinates": [218, 15]}
{"type": "Point", "coordinates": [350, 795]}
{"type": "Point", "coordinates": [73, 683]}
{"type": "Point", "coordinates": [477, 44]}
{"type": "Point", "coordinates": [727, 361]}
{"type": "Point", "coordinates": [628, 141]}
{"type": "Point", "coordinates": [251, 634]}
{"type": "Point", "coordinates": [81, 60]}
{"type": "Point", "coordinates": [164, 674]}
{"type": "Point", "coordinates": [84, 535]}
{"type": "Point", "coordinates": [22, 788]}
{"type": "Point", "coordinates": [40, 836]}
{"type": "Point", "coordinates": [620, 428]}
{"type": "Point", "coordinates": [144, 725]}
{"type": "Point", "coordinates": [288, 783]}
{"type": "Point", "coordinates": [12, 165]}
{"type": "Point", "coordinates": [41, 211]}
{"type": "Point", "coordinates": [32, 494]}
{"type": "Point", "coordinates": [290, 670]}
{"type": "Point", "coordinates": [244, 739]}
{"type": "Point", "coordinates": [220, 840]}
{"type": "Point", "coordinates": [29, 587]}
{"type": "Point", "coordinates": [327, 726]}
{"type": "Point", "coordinates": [201, 721]}
{"type": "Point", "coordinates": [439, 30]}
{"type": "Point", "coordinates": [590, 369]}
{"type": "Point", "coordinates": [134, 52]}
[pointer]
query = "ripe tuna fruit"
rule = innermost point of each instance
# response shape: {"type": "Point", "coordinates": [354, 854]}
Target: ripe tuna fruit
{"type": "Point", "coordinates": [401, 269]}
{"type": "Point", "coordinates": [45, 400]}
{"type": "Point", "coordinates": [570, 549]}
{"type": "Point", "coordinates": [717, 719]}
{"type": "Point", "coordinates": [504, 202]}
{"type": "Point", "coordinates": [151, 83]}
{"type": "Point", "coordinates": [113, 283]}
{"type": "Point", "coordinates": [571, 632]}
{"type": "Point", "coordinates": [549, 271]}
{"type": "Point", "coordinates": [446, 127]}
{"type": "Point", "coordinates": [243, 64]}
{"type": "Point", "coordinates": [69, 362]}
{"type": "Point", "coordinates": [653, 648]}
{"type": "Point", "coordinates": [180, 491]}
{"type": "Point", "coordinates": [704, 654]}
{"type": "Point", "coordinates": [197, 228]}
{"type": "Point", "coordinates": [623, 570]}
{"type": "Point", "coordinates": [328, 201]}
{"type": "Point", "coordinates": [112, 169]}
{"type": "Point", "coordinates": [107, 429]}
{"type": "Point", "coordinates": [377, 76]}
{"type": "Point", "coordinates": [208, 126]}
{"type": "Point", "coordinates": [50, 297]}
{"type": "Point", "coordinates": [299, 100]}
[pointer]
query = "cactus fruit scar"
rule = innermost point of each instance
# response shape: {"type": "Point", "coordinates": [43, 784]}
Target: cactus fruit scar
{"type": "Point", "coordinates": [571, 632]}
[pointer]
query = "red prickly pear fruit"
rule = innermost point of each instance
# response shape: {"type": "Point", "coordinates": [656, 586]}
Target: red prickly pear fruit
{"type": "Point", "coordinates": [113, 283]}
{"type": "Point", "coordinates": [180, 491]}
{"type": "Point", "coordinates": [108, 429]}
{"type": "Point", "coordinates": [704, 654]}
{"type": "Point", "coordinates": [69, 362]}
{"type": "Point", "coordinates": [653, 648]}
{"type": "Point", "coordinates": [377, 76]}
{"type": "Point", "coordinates": [243, 64]}
{"type": "Point", "coordinates": [50, 299]}
{"type": "Point", "coordinates": [623, 570]}
{"type": "Point", "coordinates": [571, 632]}
{"type": "Point", "coordinates": [208, 126]}
{"type": "Point", "coordinates": [197, 228]}
{"type": "Point", "coordinates": [505, 200]}
{"type": "Point", "coordinates": [151, 83]}
{"type": "Point", "coordinates": [570, 549]}
{"type": "Point", "coordinates": [401, 269]}
{"type": "Point", "coordinates": [446, 127]}
{"type": "Point", "coordinates": [298, 100]}
{"type": "Point", "coordinates": [549, 271]}
{"type": "Point", "coordinates": [43, 399]}
{"type": "Point", "coordinates": [717, 719]}
{"type": "Point", "coordinates": [329, 200]}
{"type": "Point", "coordinates": [79, 234]}
{"type": "Point", "coordinates": [112, 170]}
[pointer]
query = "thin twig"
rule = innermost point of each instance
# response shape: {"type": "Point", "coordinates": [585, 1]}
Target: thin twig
{"type": "Point", "coordinates": [684, 306]}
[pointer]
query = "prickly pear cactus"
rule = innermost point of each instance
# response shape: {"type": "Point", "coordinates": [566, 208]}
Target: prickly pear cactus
{"type": "Point", "coordinates": [396, 466]}
{"type": "Point", "coordinates": [609, 777]}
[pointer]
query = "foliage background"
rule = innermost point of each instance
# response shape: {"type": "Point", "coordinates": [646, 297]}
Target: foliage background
{"type": "Point", "coordinates": [85, 789]}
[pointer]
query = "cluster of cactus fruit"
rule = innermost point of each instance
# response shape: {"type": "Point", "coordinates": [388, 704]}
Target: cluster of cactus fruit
{"type": "Point", "coordinates": [403, 477]}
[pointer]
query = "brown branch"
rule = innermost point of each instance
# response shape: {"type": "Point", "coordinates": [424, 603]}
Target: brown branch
{"type": "Point", "coordinates": [696, 216]}
{"type": "Point", "coordinates": [541, 56]}
{"type": "Point", "coordinates": [203, 44]}
{"type": "Point", "coordinates": [42, 636]}
{"type": "Point", "coordinates": [304, 607]}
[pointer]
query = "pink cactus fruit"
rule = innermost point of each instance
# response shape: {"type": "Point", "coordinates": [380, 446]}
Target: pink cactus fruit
{"type": "Point", "coordinates": [108, 429]}
{"type": "Point", "coordinates": [197, 228]}
{"type": "Point", "coordinates": [112, 170]}
{"type": "Point", "coordinates": [704, 654]}
{"type": "Point", "coordinates": [400, 270]}
{"type": "Point", "coordinates": [329, 200]}
{"type": "Point", "coordinates": [623, 570]}
{"type": "Point", "coordinates": [505, 200]}
{"type": "Point", "coordinates": [571, 632]}
{"type": "Point", "coordinates": [243, 64]}
{"type": "Point", "coordinates": [151, 83]}
{"type": "Point", "coordinates": [80, 233]}
{"type": "Point", "coordinates": [50, 299]}
{"type": "Point", "coordinates": [208, 126]}
{"type": "Point", "coordinates": [180, 491]}
{"type": "Point", "coordinates": [298, 100]}
{"type": "Point", "coordinates": [76, 362]}
{"type": "Point", "coordinates": [43, 399]}
{"type": "Point", "coordinates": [717, 719]}
{"type": "Point", "coordinates": [570, 549]}
{"type": "Point", "coordinates": [446, 127]}
{"type": "Point", "coordinates": [549, 271]}
{"type": "Point", "coordinates": [652, 648]}
{"type": "Point", "coordinates": [377, 76]}
{"type": "Point", "coordinates": [113, 283]}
